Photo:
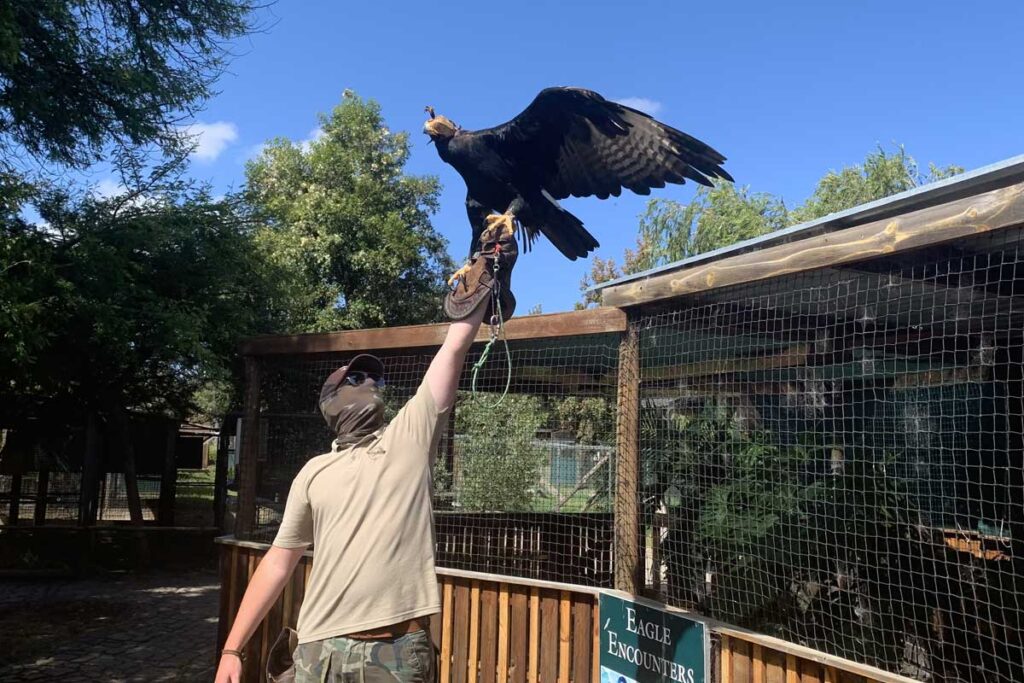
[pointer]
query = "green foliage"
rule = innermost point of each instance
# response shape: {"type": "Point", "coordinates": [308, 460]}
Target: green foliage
{"type": "Point", "coordinates": [500, 463]}
{"type": "Point", "coordinates": [591, 419]}
{"type": "Point", "coordinates": [125, 304]}
{"type": "Point", "coordinates": [77, 76]}
{"type": "Point", "coordinates": [346, 229]}
{"type": "Point", "coordinates": [881, 175]}
{"type": "Point", "coordinates": [670, 231]}
{"type": "Point", "coordinates": [716, 217]}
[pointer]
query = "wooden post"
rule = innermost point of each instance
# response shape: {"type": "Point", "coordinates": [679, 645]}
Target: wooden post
{"type": "Point", "coordinates": [246, 521]}
{"type": "Point", "coordinates": [628, 569]}
{"type": "Point", "coordinates": [88, 501]}
{"type": "Point", "coordinates": [220, 476]}
{"type": "Point", "coordinates": [42, 492]}
{"type": "Point", "coordinates": [169, 477]}
{"type": "Point", "coordinates": [131, 480]}
{"type": "Point", "coordinates": [12, 515]}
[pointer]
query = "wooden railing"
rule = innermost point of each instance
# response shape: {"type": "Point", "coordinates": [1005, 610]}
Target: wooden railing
{"type": "Point", "coordinates": [502, 629]}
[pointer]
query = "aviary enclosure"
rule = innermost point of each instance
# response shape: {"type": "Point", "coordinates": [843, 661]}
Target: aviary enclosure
{"type": "Point", "coordinates": [815, 441]}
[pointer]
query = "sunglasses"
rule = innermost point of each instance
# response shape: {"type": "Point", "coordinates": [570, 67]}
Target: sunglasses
{"type": "Point", "coordinates": [357, 377]}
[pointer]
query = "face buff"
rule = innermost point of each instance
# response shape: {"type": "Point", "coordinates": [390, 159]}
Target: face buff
{"type": "Point", "coordinates": [357, 411]}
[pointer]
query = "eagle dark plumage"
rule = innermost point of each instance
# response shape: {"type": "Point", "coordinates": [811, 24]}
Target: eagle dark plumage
{"type": "Point", "coordinates": [568, 142]}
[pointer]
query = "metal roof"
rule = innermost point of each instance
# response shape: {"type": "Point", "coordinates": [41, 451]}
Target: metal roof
{"type": "Point", "coordinates": [974, 182]}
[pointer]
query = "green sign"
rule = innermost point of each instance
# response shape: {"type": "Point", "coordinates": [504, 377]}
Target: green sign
{"type": "Point", "coordinates": [643, 644]}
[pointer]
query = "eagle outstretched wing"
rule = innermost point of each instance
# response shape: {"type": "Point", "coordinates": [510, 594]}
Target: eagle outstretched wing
{"type": "Point", "coordinates": [573, 142]}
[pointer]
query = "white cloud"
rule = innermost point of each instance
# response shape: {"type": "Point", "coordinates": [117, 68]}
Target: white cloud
{"type": "Point", "coordinates": [312, 137]}
{"type": "Point", "coordinates": [644, 104]}
{"type": "Point", "coordinates": [211, 138]}
{"type": "Point", "coordinates": [254, 151]}
{"type": "Point", "coordinates": [107, 188]}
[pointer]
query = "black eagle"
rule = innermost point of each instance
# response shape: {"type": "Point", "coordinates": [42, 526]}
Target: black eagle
{"type": "Point", "coordinates": [568, 142]}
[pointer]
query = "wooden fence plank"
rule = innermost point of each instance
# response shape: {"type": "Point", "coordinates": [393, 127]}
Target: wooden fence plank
{"type": "Point", "coordinates": [792, 669]}
{"type": "Point", "coordinates": [775, 666]}
{"type": "Point", "coordinates": [519, 625]}
{"type": "Point", "coordinates": [757, 664]}
{"type": "Point", "coordinates": [460, 633]}
{"type": "Point", "coordinates": [473, 659]}
{"type": "Point", "coordinates": [741, 668]}
{"type": "Point", "coordinates": [581, 639]}
{"type": "Point", "coordinates": [811, 672]}
{"type": "Point", "coordinates": [446, 631]}
{"type": "Point", "coordinates": [725, 660]}
{"type": "Point", "coordinates": [488, 633]}
{"type": "Point", "coordinates": [564, 635]}
{"type": "Point", "coordinates": [225, 604]}
{"type": "Point", "coordinates": [548, 636]}
{"type": "Point", "coordinates": [299, 592]}
{"type": "Point", "coordinates": [251, 666]}
{"type": "Point", "coordinates": [830, 675]}
{"type": "Point", "coordinates": [595, 640]}
{"type": "Point", "coordinates": [503, 635]}
{"type": "Point", "coordinates": [534, 663]}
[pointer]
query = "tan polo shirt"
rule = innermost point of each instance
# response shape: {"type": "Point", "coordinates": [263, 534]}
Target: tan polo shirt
{"type": "Point", "coordinates": [368, 512]}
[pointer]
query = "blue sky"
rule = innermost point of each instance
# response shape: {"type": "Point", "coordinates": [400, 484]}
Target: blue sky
{"type": "Point", "coordinates": [786, 90]}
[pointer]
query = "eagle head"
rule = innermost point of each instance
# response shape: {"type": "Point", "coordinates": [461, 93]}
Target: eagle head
{"type": "Point", "coordinates": [439, 127]}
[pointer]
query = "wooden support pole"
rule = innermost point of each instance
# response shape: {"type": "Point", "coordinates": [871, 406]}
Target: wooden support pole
{"type": "Point", "coordinates": [169, 476]}
{"type": "Point", "coordinates": [12, 515]}
{"type": "Point", "coordinates": [88, 501]}
{"type": "Point", "coordinates": [42, 493]}
{"type": "Point", "coordinates": [220, 476]}
{"type": "Point", "coordinates": [627, 565]}
{"type": "Point", "coordinates": [249, 451]}
{"type": "Point", "coordinates": [131, 480]}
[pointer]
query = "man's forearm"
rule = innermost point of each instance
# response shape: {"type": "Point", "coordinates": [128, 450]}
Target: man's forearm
{"type": "Point", "coordinates": [443, 374]}
{"type": "Point", "coordinates": [268, 580]}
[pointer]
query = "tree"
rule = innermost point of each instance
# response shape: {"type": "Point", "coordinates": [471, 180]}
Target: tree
{"type": "Point", "coordinates": [348, 226]}
{"type": "Point", "coordinates": [725, 214]}
{"type": "Point", "coordinates": [500, 462]}
{"type": "Point", "coordinates": [123, 306]}
{"type": "Point", "coordinates": [79, 76]}
{"type": "Point", "coordinates": [881, 175]}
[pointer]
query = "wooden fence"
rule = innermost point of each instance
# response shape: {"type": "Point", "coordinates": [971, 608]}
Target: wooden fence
{"type": "Point", "coordinates": [566, 547]}
{"type": "Point", "coordinates": [502, 629]}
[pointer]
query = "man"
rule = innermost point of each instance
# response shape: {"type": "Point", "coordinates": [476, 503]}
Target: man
{"type": "Point", "coordinates": [365, 506]}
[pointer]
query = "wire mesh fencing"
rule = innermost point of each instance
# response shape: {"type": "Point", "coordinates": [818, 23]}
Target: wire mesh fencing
{"type": "Point", "coordinates": [836, 457]}
{"type": "Point", "coordinates": [523, 474]}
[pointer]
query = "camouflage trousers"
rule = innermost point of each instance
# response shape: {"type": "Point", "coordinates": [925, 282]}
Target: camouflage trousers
{"type": "Point", "coordinates": [406, 659]}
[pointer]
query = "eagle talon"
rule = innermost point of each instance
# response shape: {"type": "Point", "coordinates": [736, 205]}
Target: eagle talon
{"type": "Point", "coordinates": [499, 227]}
{"type": "Point", "coordinates": [458, 275]}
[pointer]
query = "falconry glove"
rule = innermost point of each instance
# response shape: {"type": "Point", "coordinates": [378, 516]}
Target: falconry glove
{"type": "Point", "coordinates": [488, 279]}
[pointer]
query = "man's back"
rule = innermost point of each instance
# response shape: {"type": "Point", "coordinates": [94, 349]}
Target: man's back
{"type": "Point", "coordinates": [367, 511]}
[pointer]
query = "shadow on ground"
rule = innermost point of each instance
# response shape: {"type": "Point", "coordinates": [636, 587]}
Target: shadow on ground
{"type": "Point", "coordinates": [151, 627]}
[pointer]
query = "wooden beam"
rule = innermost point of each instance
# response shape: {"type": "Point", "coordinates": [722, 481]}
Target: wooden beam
{"type": "Point", "coordinates": [994, 210]}
{"type": "Point", "coordinates": [794, 356]}
{"type": "Point", "coordinates": [42, 495]}
{"type": "Point", "coordinates": [590, 321]}
{"type": "Point", "coordinates": [627, 565]}
{"type": "Point", "coordinates": [249, 450]}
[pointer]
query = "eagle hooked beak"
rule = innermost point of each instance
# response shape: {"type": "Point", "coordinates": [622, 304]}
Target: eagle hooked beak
{"type": "Point", "coordinates": [430, 112]}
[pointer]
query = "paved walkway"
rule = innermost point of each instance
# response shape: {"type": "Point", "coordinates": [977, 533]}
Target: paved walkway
{"type": "Point", "coordinates": [153, 627]}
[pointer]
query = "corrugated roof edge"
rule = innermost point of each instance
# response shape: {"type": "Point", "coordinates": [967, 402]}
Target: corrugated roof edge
{"type": "Point", "coordinates": [965, 184]}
